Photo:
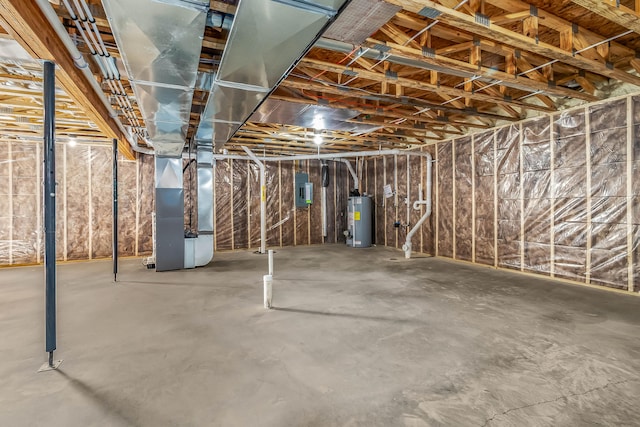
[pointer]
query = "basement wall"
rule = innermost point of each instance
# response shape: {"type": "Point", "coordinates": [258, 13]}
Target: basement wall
{"type": "Point", "coordinates": [405, 175]}
{"type": "Point", "coordinates": [237, 204]}
{"type": "Point", "coordinates": [554, 196]}
{"type": "Point", "coordinates": [83, 203]}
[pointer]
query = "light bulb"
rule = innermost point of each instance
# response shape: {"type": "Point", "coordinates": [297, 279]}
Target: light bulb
{"type": "Point", "coordinates": [317, 139]}
{"type": "Point", "coordinates": [72, 141]}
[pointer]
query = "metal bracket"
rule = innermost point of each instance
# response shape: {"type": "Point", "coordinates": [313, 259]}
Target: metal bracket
{"type": "Point", "coordinates": [391, 74]}
{"type": "Point", "coordinates": [381, 47]}
{"type": "Point", "coordinates": [483, 19]}
{"type": "Point", "coordinates": [429, 12]}
{"type": "Point", "coordinates": [428, 52]}
{"type": "Point", "coordinates": [46, 367]}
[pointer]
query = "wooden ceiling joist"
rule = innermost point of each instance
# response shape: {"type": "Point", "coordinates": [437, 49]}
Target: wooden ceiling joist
{"type": "Point", "coordinates": [619, 14]}
{"type": "Point", "coordinates": [416, 84]}
{"type": "Point", "coordinates": [506, 79]}
{"type": "Point", "coordinates": [348, 92]}
{"type": "Point", "coordinates": [26, 23]}
{"type": "Point", "coordinates": [516, 40]}
{"type": "Point", "coordinates": [396, 113]}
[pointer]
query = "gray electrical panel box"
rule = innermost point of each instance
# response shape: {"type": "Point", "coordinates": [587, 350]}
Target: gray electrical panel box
{"type": "Point", "coordinates": [304, 190]}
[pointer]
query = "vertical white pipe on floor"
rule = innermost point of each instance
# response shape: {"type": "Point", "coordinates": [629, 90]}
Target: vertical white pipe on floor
{"type": "Point", "coordinates": [268, 290]}
{"type": "Point", "coordinates": [270, 262]}
{"type": "Point", "coordinates": [407, 247]}
{"type": "Point", "coordinates": [263, 200]}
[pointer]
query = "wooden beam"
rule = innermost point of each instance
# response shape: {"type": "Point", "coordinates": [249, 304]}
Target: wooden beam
{"type": "Point", "coordinates": [348, 92]}
{"type": "Point", "coordinates": [510, 80]}
{"type": "Point", "coordinates": [621, 15]}
{"type": "Point", "coordinates": [510, 18]}
{"type": "Point", "coordinates": [557, 23]}
{"type": "Point", "coordinates": [511, 38]}
{"type": "Point", "coordinates": [26, 23]}
{"type": "Point", "coordinates": [420, 85]}
{"type": "Point", "coordinates": [396, 113]}
{"type": "Point", "coordinates": [223, 7]}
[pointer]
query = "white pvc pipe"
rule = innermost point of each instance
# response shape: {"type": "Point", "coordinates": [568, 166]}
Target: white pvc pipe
{"type": "Point", "coordinates": [354, 175]}
{"type": "Point", "coordinates": [270, 262]}
{"type": "Point", "coordinates": [327, 156]}
{"type": "Point", "coordinates": [324, 211]}
{"type": "Point", "coordinates": [268, 290]}
{"type": "Point", "coordinates": [427, 202]}
{"type": "Point", "coordinates": [263, 200]}
{"type": "Point", "coordinates": [78, 59]}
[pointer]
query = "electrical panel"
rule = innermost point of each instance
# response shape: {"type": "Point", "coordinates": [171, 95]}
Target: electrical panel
{"type": "Point", "coordinates": [304, 190]}
{"type": "Point", "coordinates": [308, 192]}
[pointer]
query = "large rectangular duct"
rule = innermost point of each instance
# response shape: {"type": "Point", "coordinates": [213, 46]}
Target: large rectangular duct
{"type": "Point", "coordinates": [160, 44]}
{"type": "Point", "coordinates": [204, 241]}
{"type": "Point", "coordinates": [169, 214]}
{"type": "Point", "coordinates": [266, 40]}
{"type": "Point", "coordinates": [309, 116]}
{"type": "Point", "coordinates": [360, 20]}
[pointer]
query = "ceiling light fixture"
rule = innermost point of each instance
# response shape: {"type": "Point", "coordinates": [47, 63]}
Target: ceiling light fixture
{"type": "Point", "coordinates": [317, 138]}
{"type": "Point", "coordinates": [72, 141]}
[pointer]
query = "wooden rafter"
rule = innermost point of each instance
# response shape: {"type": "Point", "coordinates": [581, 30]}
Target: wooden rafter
{"type": "Point", "coordinates": [511, 38]}
{"type": "Point", "coordinates": [619, 14]}
{"type": "Point", "coordinates": [26, 23]}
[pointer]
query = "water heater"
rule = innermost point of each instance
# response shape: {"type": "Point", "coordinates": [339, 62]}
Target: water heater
{"type": "Point", "coordinates": [360, 217]}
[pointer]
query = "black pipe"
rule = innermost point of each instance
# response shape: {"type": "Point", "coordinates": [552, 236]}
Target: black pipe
{"type": "Point", "coordinates": [49, 89]}
{"type": "Point", "coordinates": [325, 174]}
{"type": "Point", "coordinates": [115, 210]}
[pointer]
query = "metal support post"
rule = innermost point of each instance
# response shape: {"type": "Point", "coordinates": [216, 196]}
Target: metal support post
{"type": "Point", "coordinates": [49, 94]}
{"type": "Point", "coordinates": [115, 210]}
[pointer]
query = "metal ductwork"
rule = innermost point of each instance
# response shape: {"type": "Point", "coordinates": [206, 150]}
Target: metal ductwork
{"type": "Point", "coordinates": [266, 40]}
{"type": "Point", "coordinates": [309, 116]}
{"type": "Point", "coordinates": [170, 244]}
{"type": "Point", "coordinates": [204, 241]}
{"type": "Point", "coordinates": [360, 19]}
{"type": "Point", "coordinates": [160, 44]}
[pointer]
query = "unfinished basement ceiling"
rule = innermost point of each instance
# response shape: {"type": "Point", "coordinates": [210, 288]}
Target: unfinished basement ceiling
{"type": "Point", "coordinates": [408, 73]}
{"type": "Point", "coordinates": [21, 106]}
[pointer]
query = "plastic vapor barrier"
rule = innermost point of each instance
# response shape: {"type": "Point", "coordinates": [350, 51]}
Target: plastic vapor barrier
{"type": "Point", "coordinates": [237, 204]}
{"type": "Point", "coordinates": [553, 195]}
{"type": "Point", "coordinates": [83, 203]}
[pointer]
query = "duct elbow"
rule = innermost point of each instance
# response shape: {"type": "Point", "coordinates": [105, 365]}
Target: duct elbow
{"type": "Point", "coordinates": [203, 249]}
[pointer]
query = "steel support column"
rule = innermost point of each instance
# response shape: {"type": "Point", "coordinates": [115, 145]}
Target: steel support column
{"type": "Point", "coordinates": [49, 93]}
{"type": "Point", "coordinates": [115, 210]}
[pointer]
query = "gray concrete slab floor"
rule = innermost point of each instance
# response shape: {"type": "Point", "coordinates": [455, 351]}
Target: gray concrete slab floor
{"type": "Point", "coordinates": [358, 337]}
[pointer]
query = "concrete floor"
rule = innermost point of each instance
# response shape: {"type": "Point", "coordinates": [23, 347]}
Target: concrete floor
{"type": "Point", "coordinates": [359, 337]}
